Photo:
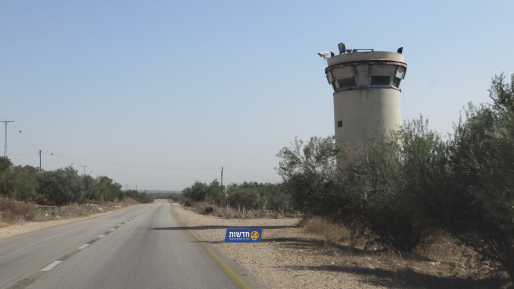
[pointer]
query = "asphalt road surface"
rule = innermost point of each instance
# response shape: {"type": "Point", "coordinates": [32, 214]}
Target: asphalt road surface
{"type": "Point", "coordinates": [140, 247]}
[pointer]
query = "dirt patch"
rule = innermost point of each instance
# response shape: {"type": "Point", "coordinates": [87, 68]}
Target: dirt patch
{"type": "Point", "coordinates": [292, 256]}
{"type": "Point", "coordinates": [47, 216]}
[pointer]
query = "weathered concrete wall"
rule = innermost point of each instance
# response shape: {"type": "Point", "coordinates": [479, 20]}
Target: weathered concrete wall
{"type": "Point", "coordinates": [364, 111]}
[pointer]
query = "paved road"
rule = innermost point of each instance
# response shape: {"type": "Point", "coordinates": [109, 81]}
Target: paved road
{"type": "Point", "coordinates": [141, 247]}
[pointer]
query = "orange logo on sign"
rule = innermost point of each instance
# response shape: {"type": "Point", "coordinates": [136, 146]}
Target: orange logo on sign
{"type": "Point", "coordinates": [255, 235]}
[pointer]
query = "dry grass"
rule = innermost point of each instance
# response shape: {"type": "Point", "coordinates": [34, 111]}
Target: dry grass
{"type": "Point", "coordinates": [19, 212]}
{"type": "Point", "coordinates": [328, 230]}
{"type": "Point", "coordinates": [439, 262]}
{"type": "Point", "coordinates": [236, 213]}
{"type": "Point", "coordinates": [16, 211]}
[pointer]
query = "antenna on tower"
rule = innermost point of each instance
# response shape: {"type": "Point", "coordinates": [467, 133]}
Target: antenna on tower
{"type": "Point", "coordinates": [342, 48]}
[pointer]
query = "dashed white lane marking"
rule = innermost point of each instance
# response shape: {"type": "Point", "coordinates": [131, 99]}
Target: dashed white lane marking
{"type": "Point", "coordinates": [83, 246]}
{"type": "Point", "coordinates": [101, 236]}
{"type": "Point", "coordinates": [112, 229]}
{"type": "Point", "coordinates": [49, 267]}
{"type": "Point", "coordinates": [125, 221]}
{"type": "Point", "coordinates": [119, 225]}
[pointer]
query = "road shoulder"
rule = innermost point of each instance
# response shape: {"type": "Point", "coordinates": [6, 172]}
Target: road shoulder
{"type": "Point", "coordinates": [235, 270]}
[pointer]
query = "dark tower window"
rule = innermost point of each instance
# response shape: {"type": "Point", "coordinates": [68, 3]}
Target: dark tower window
{"type": "Point", "coordinates": [380, 80]}
{"type": "Point", "coordinates": [339, 124]}
{"type": "Point", "coordinates": [396, 82]}
{"type": "Point", "coordinates": [347, 82]}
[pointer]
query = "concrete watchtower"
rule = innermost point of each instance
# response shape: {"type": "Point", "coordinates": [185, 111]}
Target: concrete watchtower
{"type": "Point", "coordinates": [366, 87]}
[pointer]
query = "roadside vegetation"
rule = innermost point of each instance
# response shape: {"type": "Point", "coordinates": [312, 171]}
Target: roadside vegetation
{"type": "Point", "coordinates": [26, 194]}
{"type": "Point", "coordinates": [245, 200]}
{"type": "Point", "coordinates": [416, 187]}
{"type": "Point", "coordinates": [58, 187]}
{"type": "Point", "coordinates": [416, 196]}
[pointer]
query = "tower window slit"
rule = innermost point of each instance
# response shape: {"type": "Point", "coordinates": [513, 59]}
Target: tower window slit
{"type": "Point", "coordinates": [380, 80]}
{"type": "Point", "coordinates": [347, 82]}
{"type": "Point", "coordinates": [340, 123]}
{"type": "Point", "coordinates": [396, 82]}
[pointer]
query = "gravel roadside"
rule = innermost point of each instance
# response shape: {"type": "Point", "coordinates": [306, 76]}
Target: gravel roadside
{"type": "Point", "coordinates": [285, 258]}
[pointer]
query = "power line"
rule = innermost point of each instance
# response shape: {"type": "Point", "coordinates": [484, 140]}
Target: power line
{"type": "Point", "coordinates": [25, 139]}
{"type": "Point", "coordinates": [164, 168]}
{"type": "Point", "coordinates": [23, 155]}
{"type": "Point", "coordinates": [251, 175]}
{"type": "Point", "coordinates": [31, 135]}
{"type": "Point", "coordinates": [135, 166]}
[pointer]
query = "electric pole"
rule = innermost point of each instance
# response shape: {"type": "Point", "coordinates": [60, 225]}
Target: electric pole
{"type": "Point", "coordinates": [84, 169]}
{"type": "Point", "coordinates": [5, 146]}
{"type": "Point", "coordinates": [222, 176]}
{"type": "Point", "coordinates": [39, 160]}
{"type": "Point", "coordinates": [136, 188]}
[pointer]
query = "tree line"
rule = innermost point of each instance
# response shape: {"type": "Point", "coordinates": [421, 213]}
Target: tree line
{"type": "Point", "coordinates": [58, 187]}
{"type": "Point", "coordinates": [248, 195]}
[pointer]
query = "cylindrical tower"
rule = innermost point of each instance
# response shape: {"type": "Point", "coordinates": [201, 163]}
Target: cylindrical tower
{"type": "Point", "coordinates": [366, 92]}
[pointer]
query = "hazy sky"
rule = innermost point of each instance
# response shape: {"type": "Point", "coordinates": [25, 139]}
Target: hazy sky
{"type": "Point", "coordinates": [206, 84]}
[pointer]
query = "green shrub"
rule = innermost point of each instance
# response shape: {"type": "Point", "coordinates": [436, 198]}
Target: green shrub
{"type": "Point", "coordinates": [201, 192]}
{"type": "Point", "coordinates": [379, 188]}
{"type": "Point", "coordinates": [480, 205]}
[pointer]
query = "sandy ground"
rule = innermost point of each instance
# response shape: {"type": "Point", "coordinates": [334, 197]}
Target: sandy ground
{"type": "Point", "coordinates": [19, 228]}
{"type": "Point", "coordinates": [285, 258]}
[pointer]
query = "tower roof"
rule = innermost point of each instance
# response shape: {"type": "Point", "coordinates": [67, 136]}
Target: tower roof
{"type": "Point", "coordinates": [365, 56]}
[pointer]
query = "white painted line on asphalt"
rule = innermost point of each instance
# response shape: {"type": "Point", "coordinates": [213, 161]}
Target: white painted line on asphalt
{"type": "Point", "coordinates": [125, 221]}
{"type": "Point", "coordinates": [83, 246]}
{"type": "Point", "coordinates": [101, 236]}
{"type": "Point", "coordinates": [119, 225]}
{"type": "Point", "coordinates": [112, 229]}
{"type": "Point", "coordinates": [49, 267]}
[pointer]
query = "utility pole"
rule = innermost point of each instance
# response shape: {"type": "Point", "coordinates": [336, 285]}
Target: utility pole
{"type": "Point", "coordinates": [39, 160]}
{"type": "Point", "coordinates": [84, 169]}
{"type": "Point", "coordinates": [221, 176]}
{"type": "Point", "coordinates": [5, 146]}
{"type": "Point", "coordinates": [136, 188]}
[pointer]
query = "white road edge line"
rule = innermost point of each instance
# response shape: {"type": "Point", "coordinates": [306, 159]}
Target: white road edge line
{"type": "Point", "coordinates": [112, 229]}
{"type": "Point", "coordinates": [51, 266]}
{"type": "Point", "coordinates": [101, 236]}
{"type": "Point", "coordinates": [83, 246]}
